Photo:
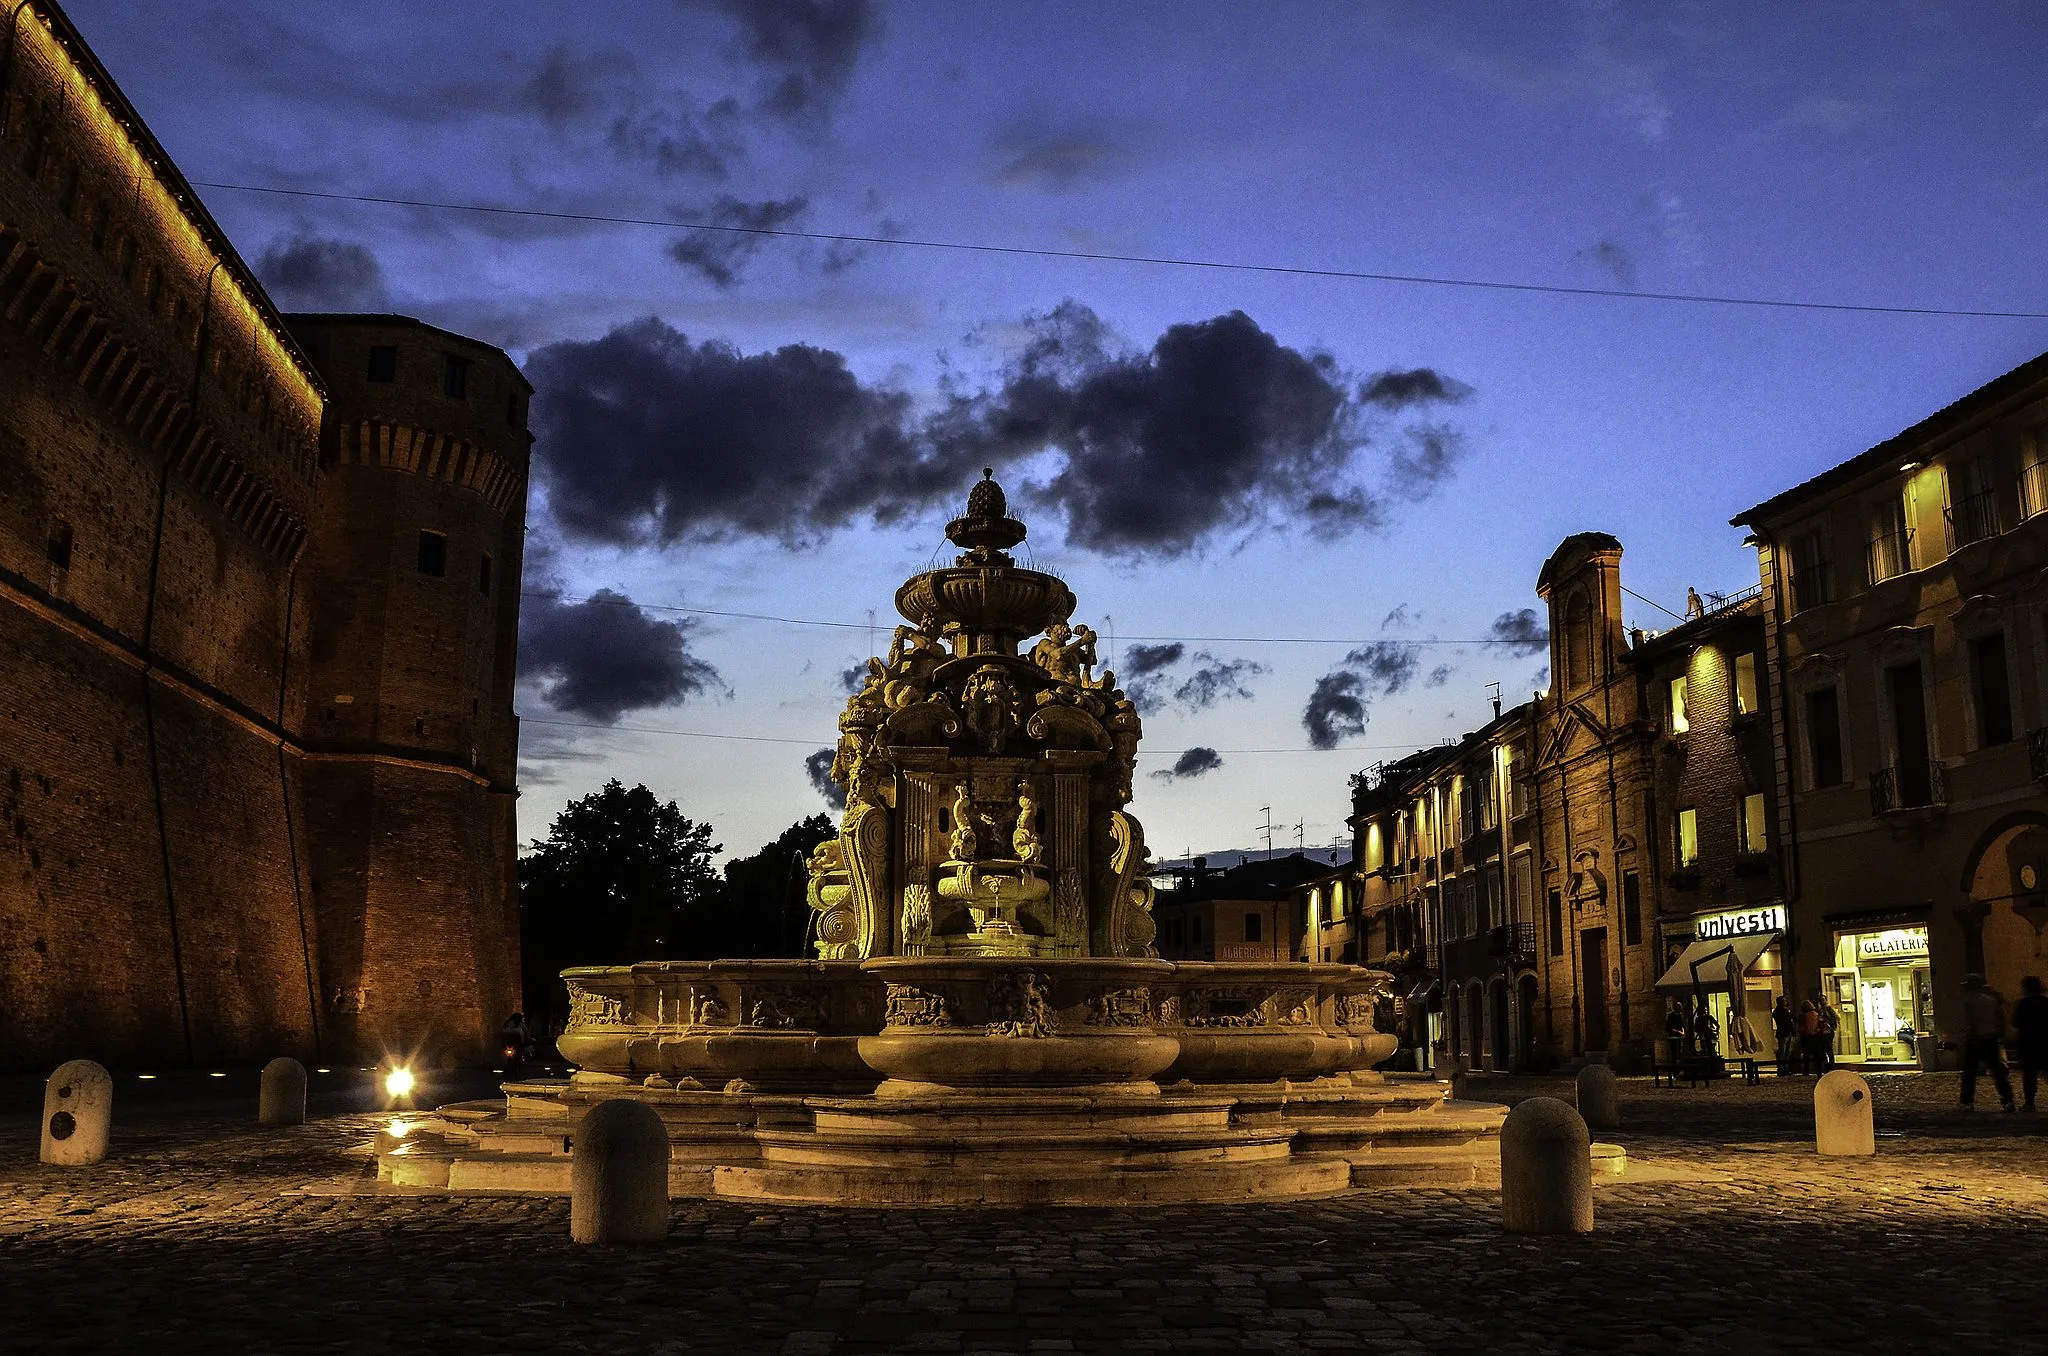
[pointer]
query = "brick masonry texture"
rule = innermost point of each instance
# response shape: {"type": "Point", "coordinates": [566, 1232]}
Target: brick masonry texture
{"type": "Point", "coordinates": [196, 862]}
{"type": "Point", "coordinates": [207, 1232]}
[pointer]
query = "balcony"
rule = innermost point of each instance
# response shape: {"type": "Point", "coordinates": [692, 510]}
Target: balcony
{"type": "Point", "coordinates": [1513, 942]}
{"type": "Point", "coordinates": [1973, 519]}
{"type": "Point", "coordinates": [2034, 488]}
{"type": "Point", "coordinates": [2037, 753]}
{"type": "Point", "coordinates": [1813, 584]}
{"type": "Point", "coordinates": [1908, 786]}
{"type": "Point", "coordinates": [1889, 554]}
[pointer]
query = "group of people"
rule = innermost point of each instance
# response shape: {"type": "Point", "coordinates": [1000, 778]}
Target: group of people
{"type": "Point", "coordinates": [1806, 1038]}
{"type": "Point", "coordinates": [1985, 1023]}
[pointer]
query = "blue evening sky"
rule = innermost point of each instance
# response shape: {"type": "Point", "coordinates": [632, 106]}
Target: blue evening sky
{"type": "Point", "coordinates": [1879, 153]}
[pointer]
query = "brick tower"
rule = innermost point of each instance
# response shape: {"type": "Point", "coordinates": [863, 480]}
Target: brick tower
{"type": "Point", "coordinates": [412, 582]}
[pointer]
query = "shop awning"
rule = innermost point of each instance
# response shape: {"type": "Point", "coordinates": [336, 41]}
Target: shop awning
{"type": "Point", "coordinates": [1426, 996]}
{"type": "Point", "coordinates": [1713, 958]}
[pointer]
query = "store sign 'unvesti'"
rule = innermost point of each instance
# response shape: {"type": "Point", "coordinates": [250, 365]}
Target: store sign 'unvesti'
{"type": "Point", "coordinates": [1892, 944]}
{"type": "Point", "coordinates": [1739, 923]}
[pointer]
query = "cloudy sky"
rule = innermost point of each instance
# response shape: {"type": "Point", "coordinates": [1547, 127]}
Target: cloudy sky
{"type": "Point", "coordinates": [1309, 508]}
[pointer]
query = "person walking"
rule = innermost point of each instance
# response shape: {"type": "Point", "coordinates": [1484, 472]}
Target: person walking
{"type": "Point", "coordinates": [1810, 1038]}
{"type": "Point", "coordinates": [1830, 1023]}
{"type": "Point", "coordinates": [2030, 1021]}
{"type": "Point", "coordinates": [1983, 1029]}
{"type": "Point", "coordinates": [1785, 1028]}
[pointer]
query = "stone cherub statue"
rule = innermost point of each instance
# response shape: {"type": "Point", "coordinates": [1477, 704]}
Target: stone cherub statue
{"type": "Point", "coordinates": [1056, 654]}
{"type": "Point", "coordinates": [1024, 839]}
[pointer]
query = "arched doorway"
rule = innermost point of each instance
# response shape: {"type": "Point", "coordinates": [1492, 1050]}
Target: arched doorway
{"type": "Point", "coordinates": [1503, 1040]}
{"type": "Point", "coordinates": [1475, 1007]}
{"type": "Point", "coordinates": [1525, 1013]}
{"type": "Point", "coordinates": [2007, 882]}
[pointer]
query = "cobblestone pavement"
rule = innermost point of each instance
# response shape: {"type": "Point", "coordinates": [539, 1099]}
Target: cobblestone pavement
{"type": "Point", "coordinates": [201, 1231]}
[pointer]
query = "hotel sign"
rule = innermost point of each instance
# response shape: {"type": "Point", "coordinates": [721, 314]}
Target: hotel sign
{"type": "Point", "coordinates": [1739, 923]}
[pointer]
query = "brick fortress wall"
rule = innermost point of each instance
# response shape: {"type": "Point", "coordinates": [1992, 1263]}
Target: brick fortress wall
{"type": "Point", "coordinates": [414, 568]}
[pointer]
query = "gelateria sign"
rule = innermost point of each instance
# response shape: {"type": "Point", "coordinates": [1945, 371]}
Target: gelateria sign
{"type": "Point", "coordinates": [1711, 927]}
{"type": "Point", "coordinates": [1891, 944]}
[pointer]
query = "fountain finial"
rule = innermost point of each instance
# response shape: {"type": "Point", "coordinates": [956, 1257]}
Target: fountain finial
{"type": "Point", "coordinates": [987, 530]}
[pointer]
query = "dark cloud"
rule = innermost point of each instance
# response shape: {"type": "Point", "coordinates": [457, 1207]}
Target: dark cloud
{"type": "Point", "coordinates": [810, 45]}
{"type": "Point", "coordinates": [603, 657]}
{"type": "Point", "coordinates": [1395, 389]}
{"type": "Point", "coordinates": [818, 767]}
{"type": "Point", "coordinates": [1191, 763]}
{"type": "Point", "coordinates": [1054, 161]}
{"type": "Point", "coordinates": [719, 254]}
{"type": "Point", "coordinates": [644, 436]}
{"type": "Point", "coordinates": [315, 273]}
{"type": "Point", "coordinates": [1152, 680]}
{"type": "Point", "coordinates": [851, 679]}
{"type": "Point", "coordinates": [1400, 616]}
{"type": "Point", "coordinates": [569, 85]}
{"type": "Point", "coordinates": [1341, 702]}
{"type": "Point", "coordinates": [1217, 428]}
{"type": "Point", "coordinates": [1520, 632]}
{"type": "Point", "coordinates": [1440, 675]}
{"type": "Point", "coordinates": [675, 140]}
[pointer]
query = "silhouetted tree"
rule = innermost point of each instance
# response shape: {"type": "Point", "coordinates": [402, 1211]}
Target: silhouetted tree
{"type": "Point", "coordinates": [621, 877]}
{"type": "Point", "coordinates": [761, 909]}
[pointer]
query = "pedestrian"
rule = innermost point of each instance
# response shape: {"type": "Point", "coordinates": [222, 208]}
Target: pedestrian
{"type": "Point", "coordinates": [1830, 1023]}
{"type": "Point", "coordinates": [1785, 1028]}
{"type": "Point", "coordinates": [1674, 1027]}
{"type": "Point", "coordinates": [1810, 1038]}
{"type": "Point", "coordinates": [2030, 1020]}
{"type": "Point", "coordinates": [1983, 1029]}
{"type": "Point", "coordinates": [1706, 1031]}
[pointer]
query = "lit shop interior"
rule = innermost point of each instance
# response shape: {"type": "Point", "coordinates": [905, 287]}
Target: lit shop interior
{"type": "Point", "coordinates": [1879, 982]}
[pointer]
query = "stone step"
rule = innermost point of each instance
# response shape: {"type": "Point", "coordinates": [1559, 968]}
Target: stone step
{"type": "Point", "coordinates": [1285, 1179]}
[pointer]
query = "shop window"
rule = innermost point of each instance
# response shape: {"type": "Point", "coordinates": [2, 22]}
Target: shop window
{"type": "Point", "coordinates": [455, 378]}
{"type": "Point", "coordinates": [1632, 907]}
{"type": "Point", "coordinates": [1824, 736]}
{"type": "Point", "coordinates": [383, 364]}
{"type": "Point", "coordinates": [483, 574]}
{"type": "Point", "coordinates": [1688, 839]}
{"type": "Point", "coordinates": [1556, 922]}
{"type": "Point", "coordinates": [1745, 683]}
{"type": "Point", "coordinates": [1754, 836]}
{"type": "Point", "coordinates": [1679, 724]}
{"type": "Point", "coordinates": [1992, 687]}
{"type": "Point", "coordinates": [1252, 931]}
{"type": "Point", "coordinates": [433, 557]}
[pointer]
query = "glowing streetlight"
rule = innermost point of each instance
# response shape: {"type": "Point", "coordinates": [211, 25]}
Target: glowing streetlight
{"type": "Point", "coordinates": [398, 1083]}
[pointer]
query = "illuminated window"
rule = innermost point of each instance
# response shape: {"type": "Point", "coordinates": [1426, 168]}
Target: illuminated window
{"type": "Point", "coordinates": [1688, 839]}
{"type": "Point", "coordinates": [383, 363]}
{"type": "Point", "coordinates": [1890, 552]}
{"type": "Point", "coordinates": [1755, 838]}
{"type": "Point", "coordinates": [455, 378]}
{"type": "Point", "coordinates": [1745, 683]}
{"type": "Point", "coordinates": [2034, 474]}
{"type": "Point", "coordinates": [1679, 724]}
{"type": "Point", "coordinates": [433, 558]}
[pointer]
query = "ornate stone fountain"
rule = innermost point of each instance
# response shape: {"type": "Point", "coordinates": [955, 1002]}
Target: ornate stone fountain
{"type": "Point", "coordinates": [987, 1019]}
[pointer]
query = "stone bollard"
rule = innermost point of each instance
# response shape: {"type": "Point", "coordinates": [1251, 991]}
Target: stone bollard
{"type": "Point", "coordinates": [1843, 1126]}
{"type": "Point", "coordinates": [1599, 1097]}
{"type": "Point", "coordinates": [618, 1175]}
{"type": "Point", "coordinates": [1546, 1170]}
{"type": "Point", "coordinates": [78, 1111]}
{"type": "Point", "coordinates": [282, 1098]}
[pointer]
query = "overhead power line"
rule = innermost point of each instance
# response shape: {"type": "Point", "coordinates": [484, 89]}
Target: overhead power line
{"type": "Point", "coordinates": [820, 743]}
{"type": "Point", "coordinates": [864, 626]}
{"type": "Point", "coordinates": [1101, 256]}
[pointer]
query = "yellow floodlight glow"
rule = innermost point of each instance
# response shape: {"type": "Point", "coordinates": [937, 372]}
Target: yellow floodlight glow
{"type": "Point", "coordinates": [399, 1128]}
{"type": "Point", "coordinates": [398, 1083]}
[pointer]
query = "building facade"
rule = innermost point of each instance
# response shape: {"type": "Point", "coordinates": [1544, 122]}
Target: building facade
{"type": "Point", "coordinates": [1244, 913]}
{"type": "Point", "coordinates": [1905, 598]}
{"type": "Point", "coordinates": [184, 588]}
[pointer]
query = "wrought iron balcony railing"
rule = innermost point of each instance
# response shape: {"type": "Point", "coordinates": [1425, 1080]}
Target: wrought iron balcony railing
{"type": "Point", "coordinates": [2034, 488]}
{"type": "Point", "coordinates": [1973, 519]}
{"type": "Point", "coordinates": [1890, 554]}
{"type": "Point", "coordinates": [1515, 941]}
{"type": "Point", "coordinates": [1813, 584]}
{"type": "Point", "coordinates": [1908, 786]}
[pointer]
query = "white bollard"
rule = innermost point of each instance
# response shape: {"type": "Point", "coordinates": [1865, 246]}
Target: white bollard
{"type": "Point", "coordinates": [1599, 1097]}
{"type": "Point", "coordinates": [1546, 1170]}
{"type": "Point", "coordinates": [78, 1112]}
{"type": "Point", "coordinates": [281, 1098]}
{"type": "Point", "coordinates": [1843, 1123]}
{"type": "Point", "coordinates": [618, 1175]}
